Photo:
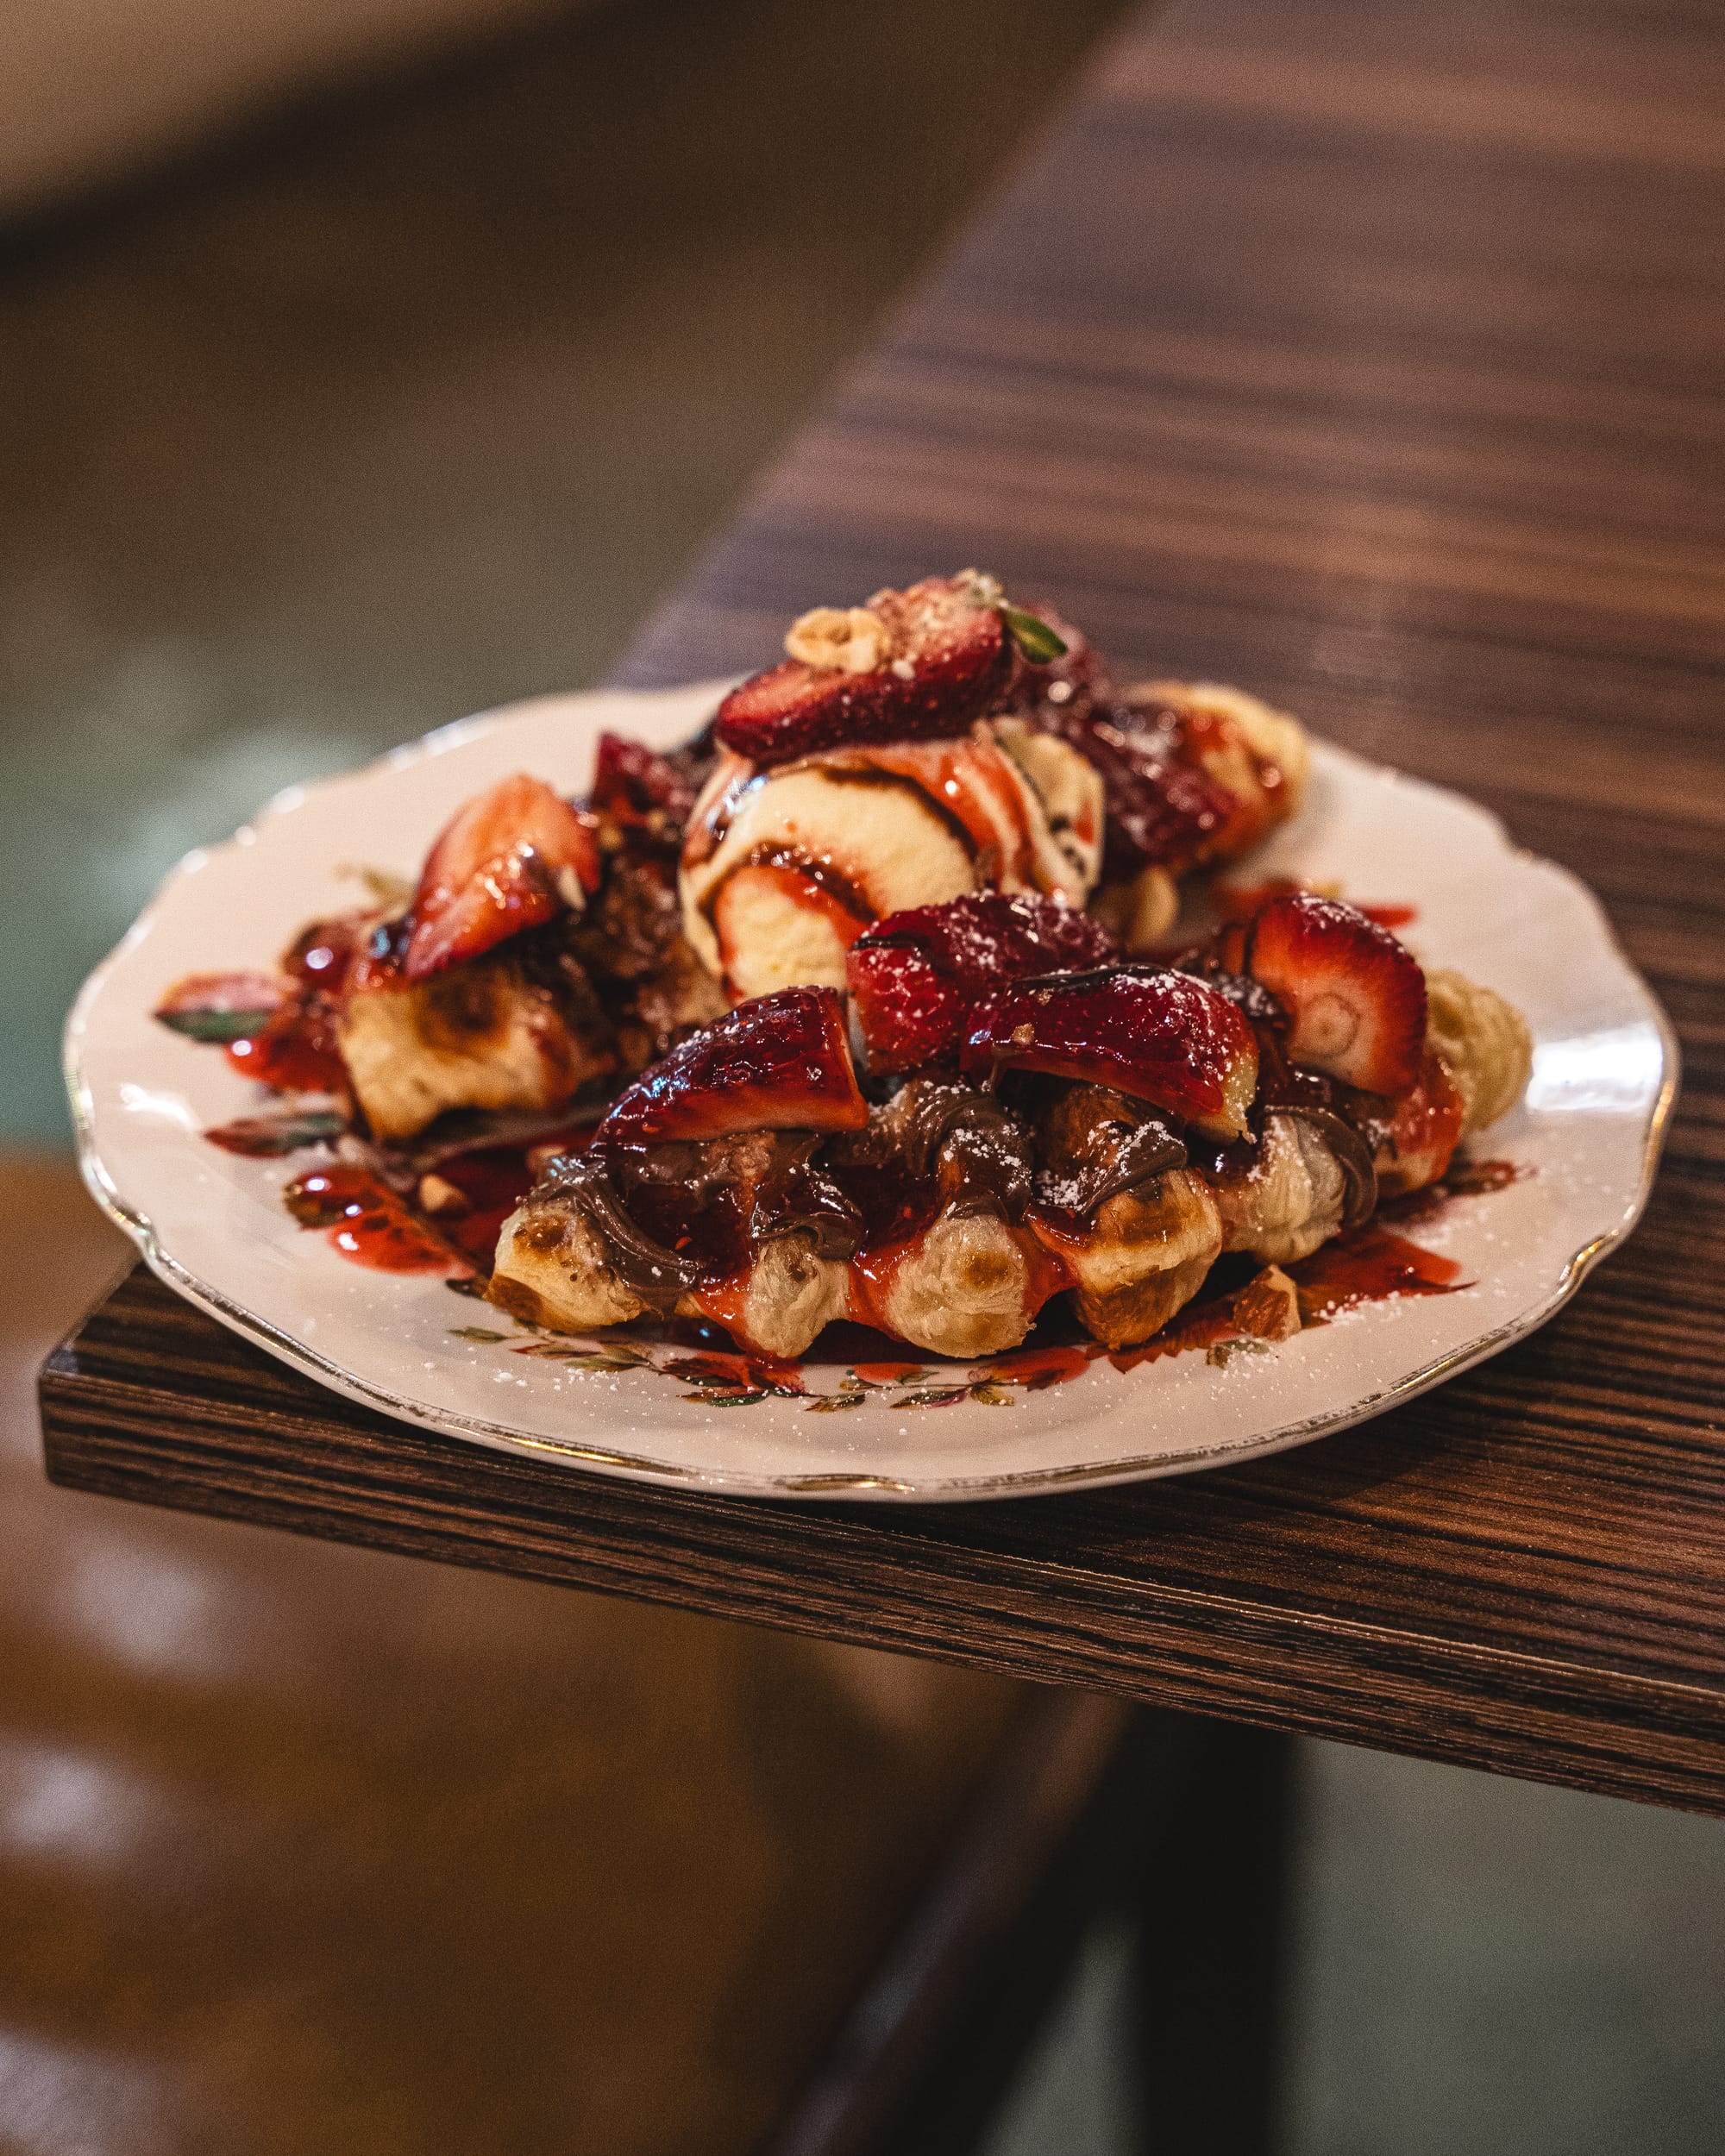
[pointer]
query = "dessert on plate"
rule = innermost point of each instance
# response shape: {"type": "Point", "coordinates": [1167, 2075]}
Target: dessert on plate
{"type": "Point", "coordinates": [538, 961]}
{"type": "Point", "coordinates": [1009, 1110]}
{"type": "Point", "coordinates": [862, 1005]}
{"type": "Point", "coordinates": [937, 742]}
{"type": "Point", "coordinates": [940, 741]}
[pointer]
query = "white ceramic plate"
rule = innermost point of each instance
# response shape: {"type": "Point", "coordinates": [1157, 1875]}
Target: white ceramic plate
{"type": "Point", "coordinates": [213, 1225]}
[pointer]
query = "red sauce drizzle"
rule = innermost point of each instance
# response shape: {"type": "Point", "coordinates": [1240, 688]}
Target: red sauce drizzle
{"type": "Point", "coordinates": [368, 1223]}
{"type": "Point", "coordinates": [1463, 1178]}
{"type": "Point", "coordinates": [724, 1376]}
{"type": "Point", "coordinates": [1478, 1178]}
{"type": "Point", "coordinates": [294, 1051]}
{"type": "Point", "coordinates": [1200, 1324]}
{"type": "Point", "coordinates": [887, 1372]}
{"type": "Point", "coordinates": [869, 1284]}
{"type": "Point", "coordinates": [724, 1301]}
{"type": "Point", "coordinates": [1242, 901]}
{"type": "Point", "coordinates": [802, 881]}
{"type": "Point", "coordinates": [1036, 1369]}
{"type": "Point", "coordinates": [874, 1270]}
{"type": "Point", "coordinates": [1370, 1265]}
{"type": "Point", "coordinates": [492, 1180]}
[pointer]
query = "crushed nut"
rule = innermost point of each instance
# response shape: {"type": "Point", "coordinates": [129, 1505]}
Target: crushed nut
{"type": "Point", "coordinates": [1268, 1307]}
{"type": "Point", "coordinates": [437, 1196]}
{"type": "Point", "coordinates": [849, 638]}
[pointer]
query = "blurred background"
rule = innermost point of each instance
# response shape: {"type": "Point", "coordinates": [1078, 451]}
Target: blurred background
{"type": "Point", "coordinates": [365, 365]}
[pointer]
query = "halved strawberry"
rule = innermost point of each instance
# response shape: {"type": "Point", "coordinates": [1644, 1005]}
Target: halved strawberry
{"type": "Point", "coordinates": [632, 783]}
{"type": "Point", "coordinates": [780, 1062]}
{"type": "Point", "coordinates": [1162, 808]}
{"type": "Point", "coordinates": [1161, 1037]}
{"type": "Point", "coordinates": [324, 953]}
{"type": "Point", "coordinates": [1357, 997]}
{"type": "Point", "coordinates": [1057, 692]}
{"type": "Point", "coordinates": [948, 654]}
{"type": "Point", "coordinates": [510, 860]}
{"type": "Point", "coordinates": [916, 977]}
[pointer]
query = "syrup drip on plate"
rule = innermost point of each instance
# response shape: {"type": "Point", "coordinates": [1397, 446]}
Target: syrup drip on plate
{"type": "Point", "coordinates": [368, 1222]}
{"type": "Point", "coordinates": [1370, 1265]}
{"type": "Point", "coordinates": [1240, 901]}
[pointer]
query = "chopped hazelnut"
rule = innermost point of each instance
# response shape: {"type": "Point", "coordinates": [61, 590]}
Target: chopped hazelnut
{"type": "Point", "coordinates": [1268, 1307]}
{"type": "Point", "coordinates": [981, 589]}
{"type": "Point", "coordinates": [437, 1196]}
{"type": "Point", "coordinates": [850, 639]}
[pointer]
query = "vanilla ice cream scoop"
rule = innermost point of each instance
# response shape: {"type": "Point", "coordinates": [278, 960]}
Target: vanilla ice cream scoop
{"type": "Point", "coordinates": [783, 869]}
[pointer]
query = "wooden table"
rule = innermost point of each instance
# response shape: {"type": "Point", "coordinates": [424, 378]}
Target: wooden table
{"type": "Point", "coordinates": [1369, 356]}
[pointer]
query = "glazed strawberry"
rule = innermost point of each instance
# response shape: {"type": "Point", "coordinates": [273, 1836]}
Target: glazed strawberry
{"type": "Point", "coordinates": [1161, 1037]}
{"type": "Point", "coordinates": [1162, 808]}
{"type": "Point", "coordinates": [916, 977]}
{"type": "Point", "coordinates": [324, 955]}
{"type": "Point", "coordinates": [908, 666]}
{"type": "Point", "coordinates": [632, 782]}
{"type": "Point", "coordinates": [780, 1062]}
{"type": "Point", "coordinates": [510, 860]}
{"type": "Point", "coordinates": [1355, 996]}
{"type": "Point", "coordinates": [1057, 689]}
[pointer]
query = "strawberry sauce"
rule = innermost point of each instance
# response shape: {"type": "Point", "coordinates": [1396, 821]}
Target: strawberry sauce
{"type": "Point", "coordinates": [1241, 901]}
{"type": "Point", "coordinates": [293, 1051]}
{"type": "Point", "coordinates": [1036, 1369]}
{"type": "Point", "coordinates": [367, 1223]}
{"type": "Point", "coordinates": [491, 1181]}
{"type": "Point", "coordinates": [463, 1203]}
{"type": "Point", "coordinates": [1370, 1265]}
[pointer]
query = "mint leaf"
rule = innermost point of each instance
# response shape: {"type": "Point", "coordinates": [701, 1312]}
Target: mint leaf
{"type": "Point", "coordinates": [265, 1136]}
{"type": "Point", "coordinates": [1032, 636]}
{"type": "Point", "coordinates": [213, 1026]}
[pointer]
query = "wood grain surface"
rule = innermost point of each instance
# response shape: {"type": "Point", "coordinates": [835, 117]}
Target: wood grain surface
{"type": "Point", "coordinates": [1370, 357]}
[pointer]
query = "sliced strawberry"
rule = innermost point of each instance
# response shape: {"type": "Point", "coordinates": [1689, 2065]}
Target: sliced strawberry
{"type": "Point", "coordinates": [322, 956]}
{"type": "Point", "coordinates": [948, 657]}
{"type": "Point", "coordinates": [1162, 808]}
{"type": "Point", "coordinates": [916, 977]}
{"type": "Point", "coordinates": [632, 783]}
{"type": "Point", "coordinates": [1161, 1037]}
{"type": "Point", "coordinates": [510, 860]}
{"type": "Point", "coordinates": [1357, 997]}
{"type": "Point", "coordinates": [1058, 692]}
{"type": "Point", "coordinates": [780, 1062]}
